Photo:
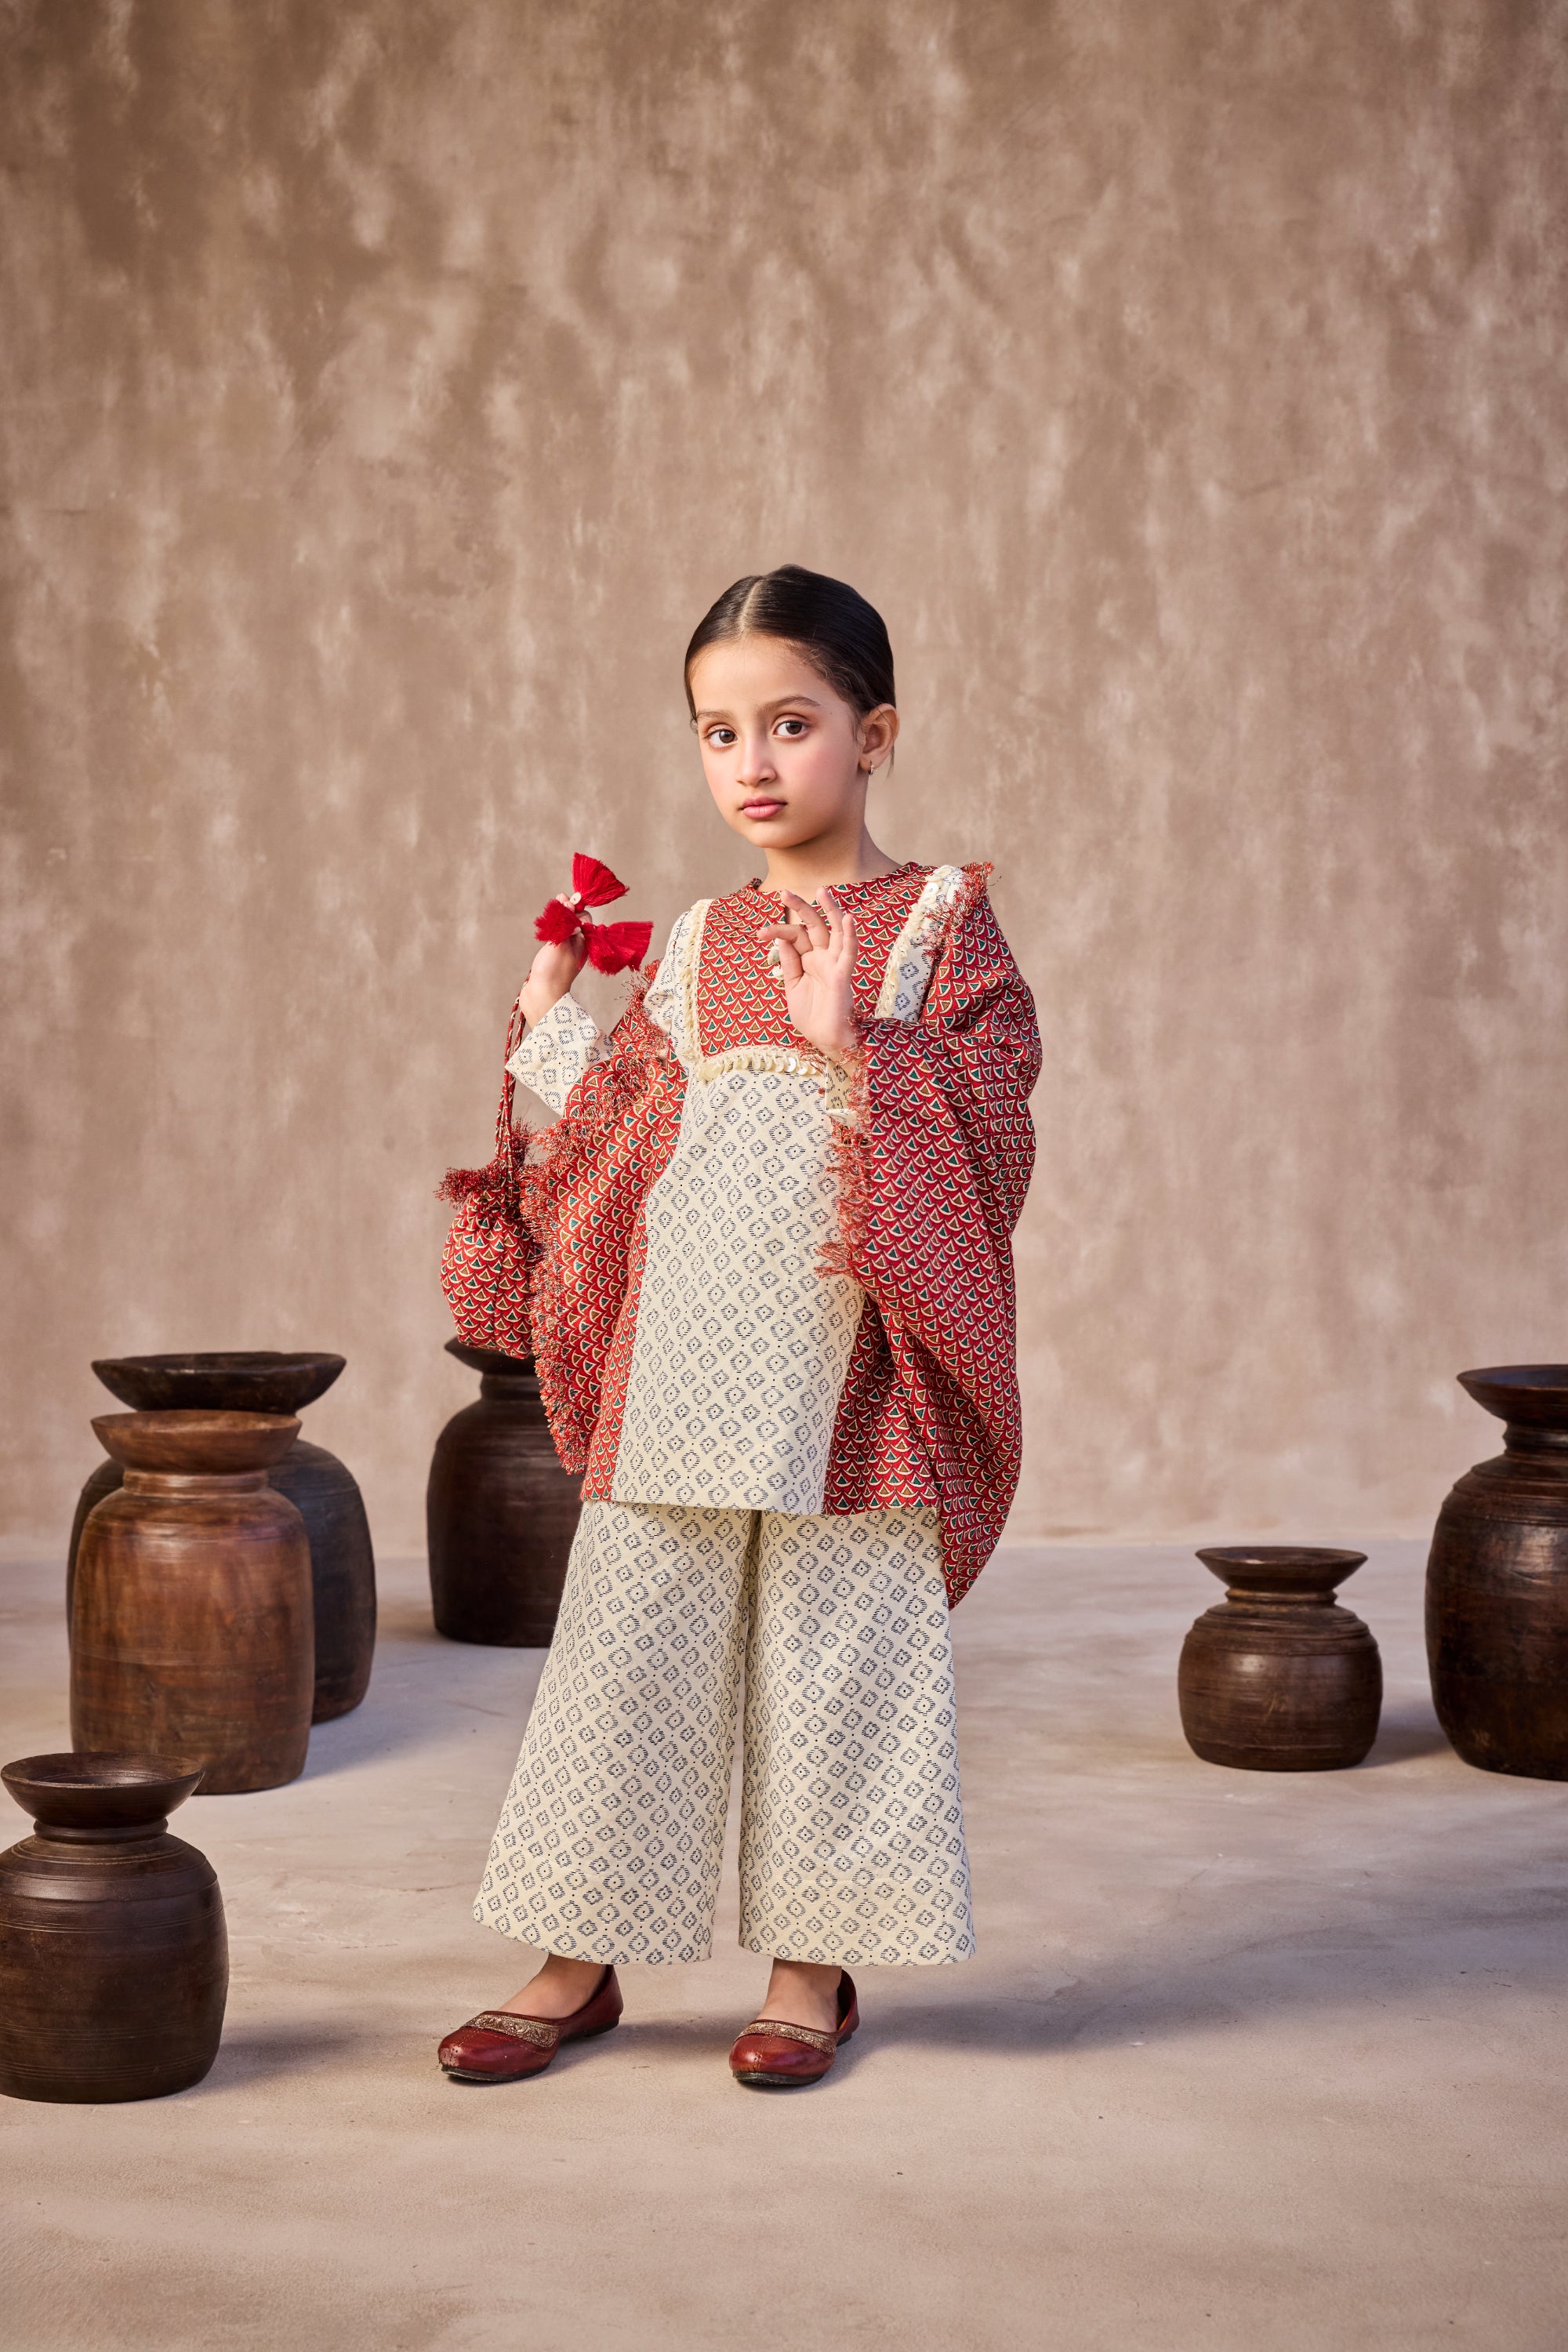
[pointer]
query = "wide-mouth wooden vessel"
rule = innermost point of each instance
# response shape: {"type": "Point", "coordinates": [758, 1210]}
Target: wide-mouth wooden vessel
{"type": "Point", "coordinates": [237, 1380]}
{"type": "Point", "coordinates": [101, 1792]}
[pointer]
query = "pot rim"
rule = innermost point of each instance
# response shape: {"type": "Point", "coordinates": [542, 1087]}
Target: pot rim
{"type": "Point", "coordinates": [98, 1788]}
{"type": "Point", "coordinates": [1281, 1555]}
{"type": "Point", "coordinates": [267, 1379]}
{"type": "Point", "coordinates": [1536, 1394]}
{"type": "Point", "coordinates": [1303, 1570]}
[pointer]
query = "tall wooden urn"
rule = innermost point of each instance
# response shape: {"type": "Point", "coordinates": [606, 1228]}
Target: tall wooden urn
{"type": "Point", "coordinates": [1497, 1584]}
{"type": "Point", "coordinates": [1277, 1679]}
{"type": "Point", "coordinates": [192, 1633]}
{"type": "Point", "coordinates": [113, 1956]}
{"type": "Point", "coordinates": [321, 1489]}
{"type": "Point", "coordinates": [499, 1511]}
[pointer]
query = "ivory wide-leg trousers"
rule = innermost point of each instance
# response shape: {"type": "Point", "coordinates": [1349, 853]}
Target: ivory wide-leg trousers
{"type": "Point", "coordinates": [610, 1842]}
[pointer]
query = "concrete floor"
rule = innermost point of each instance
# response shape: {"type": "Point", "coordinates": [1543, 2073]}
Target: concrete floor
{"type": "Point", "coordinates": [1248, 2061]}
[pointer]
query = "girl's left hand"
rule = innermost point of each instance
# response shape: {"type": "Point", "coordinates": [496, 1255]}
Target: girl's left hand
{"type": "Point", "coordinates": [816, 962]}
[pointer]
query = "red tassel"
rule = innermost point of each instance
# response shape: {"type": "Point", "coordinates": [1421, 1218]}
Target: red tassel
{"type": "Point", "coordinates": [616, 947]}
{"type": "Point", "coordinates": [609, 946]}
{"type": "Point", "coordinates": [558, 922]}
{"type": "Point", "coordinates": [593, 882]}
{"type": "Point", "coordinates": [470, 1183]}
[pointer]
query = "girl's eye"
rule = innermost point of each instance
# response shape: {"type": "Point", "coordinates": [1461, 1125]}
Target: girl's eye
{"type": "Point", "coordinates": [720, 738]}
{"type": "Point", "coordinates": [792, 729]}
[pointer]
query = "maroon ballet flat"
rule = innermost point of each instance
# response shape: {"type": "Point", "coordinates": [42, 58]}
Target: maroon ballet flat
{"type": "Point", "coordinates": [497, 2046]}
{"type": "Point", "coordinates": [781, 2056]}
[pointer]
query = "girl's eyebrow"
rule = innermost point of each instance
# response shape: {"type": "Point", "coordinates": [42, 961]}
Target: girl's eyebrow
{"type": "Point", "coordinates": [782, 703]}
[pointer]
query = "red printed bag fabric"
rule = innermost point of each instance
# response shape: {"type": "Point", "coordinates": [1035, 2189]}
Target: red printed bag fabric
{"type": "Point", "coordinates": [486, 1262]}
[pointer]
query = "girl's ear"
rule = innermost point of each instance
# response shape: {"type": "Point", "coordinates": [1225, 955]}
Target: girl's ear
{"type": "Point", "coordinates": [878, 733]}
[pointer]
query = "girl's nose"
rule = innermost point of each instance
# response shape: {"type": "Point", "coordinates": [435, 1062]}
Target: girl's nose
{"type": "Point", "coordinates": [756, 765]}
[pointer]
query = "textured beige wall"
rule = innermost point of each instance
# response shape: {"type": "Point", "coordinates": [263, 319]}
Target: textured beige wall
{"type": "Point", "coordinates": [387, 390]}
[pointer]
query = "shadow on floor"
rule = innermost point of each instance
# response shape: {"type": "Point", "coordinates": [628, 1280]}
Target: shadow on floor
{"type": "Point", "coordinates": [255, 2053]}
{"type": "Point", "coordinates": [1407, 1949]}
{"type": "Point", "coordinates": [421, 1688]}
{"type": "Point", "coordinates": [1408, 1729]}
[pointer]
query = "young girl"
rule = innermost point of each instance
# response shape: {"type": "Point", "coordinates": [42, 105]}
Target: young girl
{"type": "Point", "coordinates": [773, 1320]}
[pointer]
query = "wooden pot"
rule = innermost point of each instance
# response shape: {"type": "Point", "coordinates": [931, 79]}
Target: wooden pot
{"type": "Point", "coordinates": [499, 1511]}
{"type": "Point", "coordinates": [113, 1958]}
{"type": "Point", "coordinates": [323, 1492]}
{"type": "Point", "coordinates": [191, 1627]}
{"type": "Point", "coordinates": [1497, 1584]}
{"type": "Point", "coordinates": [1277, 1678]}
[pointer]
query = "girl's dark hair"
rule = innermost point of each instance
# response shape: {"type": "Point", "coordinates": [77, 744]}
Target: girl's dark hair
{"type": "Point", "coordinates": [843, 638]}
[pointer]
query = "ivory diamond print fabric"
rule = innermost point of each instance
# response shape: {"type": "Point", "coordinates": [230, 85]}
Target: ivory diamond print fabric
{"type": "Point", "coordinates": [742, 1345]}
{"type": "Point", "coordinates": [556, 1050]}
{"type": "Point", "coordinates": [610, 1842]}
{"type": "Point", "coordinates": [852, 1844]}
{"type": "Point", "coordinates": [908, 972]}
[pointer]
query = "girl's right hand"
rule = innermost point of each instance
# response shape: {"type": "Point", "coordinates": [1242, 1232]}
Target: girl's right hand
{"type": "Point", "coordinates": [550, 974]}
{"type": "Point", "coordinates": [816, 956]}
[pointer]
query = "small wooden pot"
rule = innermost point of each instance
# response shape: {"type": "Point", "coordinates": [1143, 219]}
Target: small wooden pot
{"type": "Point", "coordinates": [113, 1958]}
{"type": "Point", "coordinates": [499, 1511]}
{"type": "Point", "coordinates": [1497, 1584]}
{"type": "Point", "coordinates": [1277, 1679]}
{"type": "Point", "coordinates": [323, 1492]}
{"type": "Point", "coordinates": [192, 1626]}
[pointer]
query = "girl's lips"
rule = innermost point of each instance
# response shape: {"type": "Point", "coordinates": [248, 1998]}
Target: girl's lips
{"type": "Point", "coordinates": [761, 808]}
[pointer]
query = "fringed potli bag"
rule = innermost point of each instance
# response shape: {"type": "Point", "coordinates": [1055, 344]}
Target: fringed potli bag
{"type": "Point", "coordinates": [489, 1251]}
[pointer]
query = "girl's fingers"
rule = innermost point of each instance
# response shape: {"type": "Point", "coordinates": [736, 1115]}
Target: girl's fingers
{"type": "Point", "coordinates": [790, 965]}
{"type": "Point", "coordinates": [782, 926]}
{"type": "Point", "coordinates": [806, 932]}
{"type": "Point", "coordinates": [809, 920]}
{"type": "Point", "coordinates": [841, 923]}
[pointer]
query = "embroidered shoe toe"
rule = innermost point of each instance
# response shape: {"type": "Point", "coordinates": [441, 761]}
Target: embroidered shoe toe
{"type": "Point", "coordinates": [499, 2046]}
{"type": "Point", "coordinates": [772, 2051]}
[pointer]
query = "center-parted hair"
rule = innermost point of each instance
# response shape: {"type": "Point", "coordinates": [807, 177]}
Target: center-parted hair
{"type": "Point", "coordinates": [843, 638]}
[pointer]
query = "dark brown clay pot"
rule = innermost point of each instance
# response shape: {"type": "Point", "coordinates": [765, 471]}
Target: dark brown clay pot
{"type": "Point", "coordinates": [499, 1511]}
{"type": "Point", "coordinates": [1277, 1679]}
{"type": "Point", "coordinates": [1497, 1584]}
{"type": "Point", "coordinates": [342, 1573]}
{"type": "Point", "coordinates": [343, 1566]}
{"type": "Point", "coordinates": [113, 1958]}
{"type": "Point", "coordinates": [192, 1626]}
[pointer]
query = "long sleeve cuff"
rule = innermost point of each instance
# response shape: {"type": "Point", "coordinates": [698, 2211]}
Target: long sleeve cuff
{"type": "Point", "coordinates": [556, 1051]}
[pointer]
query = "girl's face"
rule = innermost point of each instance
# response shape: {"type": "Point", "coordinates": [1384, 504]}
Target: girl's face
{"type": "Point", "coordinates": [786, 757]}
